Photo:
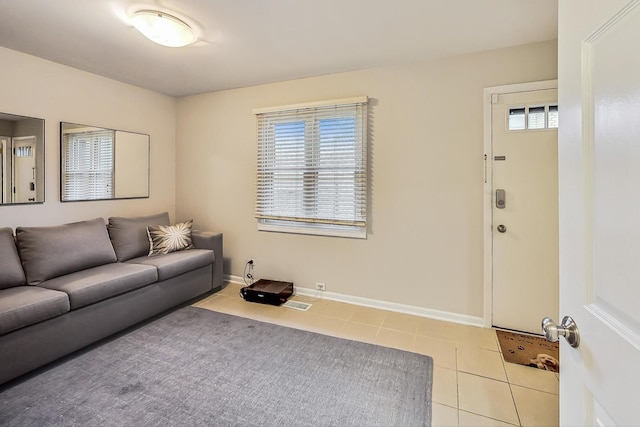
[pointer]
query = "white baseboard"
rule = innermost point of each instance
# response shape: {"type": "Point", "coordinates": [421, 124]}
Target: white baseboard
{"type": "Point", "coordinates": [233, 279]}
{"type": "Point", "coordinates": [382, 305]}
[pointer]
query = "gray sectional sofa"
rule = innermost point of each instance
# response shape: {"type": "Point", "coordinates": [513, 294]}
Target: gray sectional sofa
{"type": "Point", "coordinates": [65, 287]}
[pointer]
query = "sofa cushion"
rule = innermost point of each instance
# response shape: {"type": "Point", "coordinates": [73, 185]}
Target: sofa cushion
{"type": "Point", "coordinates": [176, 263]}
{"type": "Point", "coordinates": [100, 283]}
{"type": "Point", "coordinates": [48, 252]}
{"type": "Point", "coordinates": [169, 238]}
{"type": "Point", "coordinates": [129, 235]}
{"type": "Point", "coordinates": [25, 305]}
{"type": "Point", "coordinates": [11, 273]}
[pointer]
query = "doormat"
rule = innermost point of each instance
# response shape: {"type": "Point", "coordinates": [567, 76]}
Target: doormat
{"type": "Point", "coordinates": [529, 350]}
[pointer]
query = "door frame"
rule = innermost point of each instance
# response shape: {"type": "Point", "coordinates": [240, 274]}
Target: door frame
{"type": "Point", "coordinates": [488, 95]}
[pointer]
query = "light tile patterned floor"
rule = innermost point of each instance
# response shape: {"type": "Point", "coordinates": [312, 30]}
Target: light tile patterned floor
{"type": "Point", "coordinates": [473, 385]}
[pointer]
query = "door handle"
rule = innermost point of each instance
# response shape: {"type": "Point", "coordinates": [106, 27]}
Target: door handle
{"type": "Point", "coordinates": [567, 329]}
{"type": "Point", "coordinates": [502, 228]}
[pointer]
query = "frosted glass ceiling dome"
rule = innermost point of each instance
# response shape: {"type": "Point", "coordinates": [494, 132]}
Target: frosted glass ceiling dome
{"type": "Point", "coordinates": [163, 28]}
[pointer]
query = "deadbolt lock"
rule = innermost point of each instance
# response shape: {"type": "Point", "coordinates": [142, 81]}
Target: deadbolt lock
{"type": "Point", "coordinates": [500, 199]}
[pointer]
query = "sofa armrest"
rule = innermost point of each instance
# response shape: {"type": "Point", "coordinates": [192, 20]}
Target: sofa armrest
{"type": "Point", "coordinates": [213, 241]}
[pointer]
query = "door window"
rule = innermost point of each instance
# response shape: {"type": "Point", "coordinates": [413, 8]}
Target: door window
{"type": "Point", "coordinates": [532, 117]}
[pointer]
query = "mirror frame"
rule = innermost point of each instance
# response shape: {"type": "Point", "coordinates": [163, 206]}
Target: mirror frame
{"type": "Point", "coordinates": [114, 170]}
{"type": "Point", "coordinates": [40, 164]}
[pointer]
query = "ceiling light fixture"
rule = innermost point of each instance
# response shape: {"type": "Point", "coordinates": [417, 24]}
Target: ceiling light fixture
{"type": "Point", "coordinates": [163, 28]}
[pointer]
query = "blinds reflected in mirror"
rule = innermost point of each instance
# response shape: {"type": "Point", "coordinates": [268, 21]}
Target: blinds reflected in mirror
{"type": "Point", "coordinates": [101, 164]}
{"type": "Point", "coordinates": [87, 164]}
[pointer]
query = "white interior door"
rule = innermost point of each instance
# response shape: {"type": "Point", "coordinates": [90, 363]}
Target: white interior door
{"type": "Point", "coordinates": [524, 208]}
{"type": "Point", "coordinates": [599, 177]}
{"type": "Point", "coordinates": [5, 161]}
{"type": "Point", "coordinates": [24, 169]}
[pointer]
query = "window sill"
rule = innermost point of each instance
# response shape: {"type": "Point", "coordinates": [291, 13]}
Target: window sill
{"type": "Point", "coordinates": [359, 233]}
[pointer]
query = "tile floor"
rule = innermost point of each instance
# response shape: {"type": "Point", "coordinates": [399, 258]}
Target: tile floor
{"type": "Point", "coordinates": [472, 384]}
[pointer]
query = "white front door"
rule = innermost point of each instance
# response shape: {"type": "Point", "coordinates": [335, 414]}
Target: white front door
{"type": "Point", "coordinates": [524, 208]}
{"type": "Point", "coordinates": [24, 169]}
{"type": "Point", "coordinates": [599, 188]}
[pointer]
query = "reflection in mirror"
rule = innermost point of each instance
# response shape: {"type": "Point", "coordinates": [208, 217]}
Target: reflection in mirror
{"type": "Point", "coordinates": [102, 164]}
{"type": "Point", "coordinates": [21, 159]}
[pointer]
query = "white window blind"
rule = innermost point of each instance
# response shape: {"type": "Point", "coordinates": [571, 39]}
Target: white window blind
{"type": "Point", "coordinates": [312, 169]}
{"type": "Point", "coordinates": [536, 118]}
{"type": "Point", "coordinates": [553, 116]}
{"type": "Point", "coordinates": [87, 165]}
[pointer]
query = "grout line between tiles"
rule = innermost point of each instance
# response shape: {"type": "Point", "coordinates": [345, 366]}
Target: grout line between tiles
{"type": "Point", "coordinates": [506, 375]}
{"type": "Point", "coordinates": [535, 389]}
{"type": "Point", "coordinates": [457, 383]}
{"type": "Point", "coordinates": [486, 416]}
{"type": "Point", "coordinates": [514, 405]}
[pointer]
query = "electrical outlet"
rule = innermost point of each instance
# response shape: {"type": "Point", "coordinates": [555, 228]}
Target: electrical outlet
{"type": "Point", "coordinates": [321, 286]}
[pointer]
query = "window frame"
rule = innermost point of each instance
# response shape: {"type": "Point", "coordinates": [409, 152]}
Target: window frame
{"type": "Point", "coordinates": [526, 116]}
{"type": "Point", "coordinates": [309, 223]}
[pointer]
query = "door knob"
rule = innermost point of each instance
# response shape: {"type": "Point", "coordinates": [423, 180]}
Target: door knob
{"type": "Point", "coordinates": [567, 329]}
{"type": "Point", "coordinates": [502, 228]}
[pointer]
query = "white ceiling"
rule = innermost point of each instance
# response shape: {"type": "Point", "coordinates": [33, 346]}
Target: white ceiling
{"type": "Point", "coordinates": [249, 42]}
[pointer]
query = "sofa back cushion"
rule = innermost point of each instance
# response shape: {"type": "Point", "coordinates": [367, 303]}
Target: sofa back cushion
{"type": "Point", "coordinates": [129, 235]}
{"type": "Point", "coordinates": [11, 273]}
{"type": "Point", "coordinates": [48, 252]}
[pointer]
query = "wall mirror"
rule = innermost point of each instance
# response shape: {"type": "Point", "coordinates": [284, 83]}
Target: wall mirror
{"type": "Point", "coordinates": [21, 159]}
{"type": "Point", "coordinates": [102, 164]}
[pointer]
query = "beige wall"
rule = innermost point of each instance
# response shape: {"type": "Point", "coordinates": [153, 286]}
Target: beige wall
{"type": "Point", "coordinates": [425, 235]}
{"type": "Point", "coordinates": [38, 88]}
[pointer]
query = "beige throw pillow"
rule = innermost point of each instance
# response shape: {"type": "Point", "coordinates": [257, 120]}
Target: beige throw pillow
{"type": "Point", "coordinates": [169, 238]}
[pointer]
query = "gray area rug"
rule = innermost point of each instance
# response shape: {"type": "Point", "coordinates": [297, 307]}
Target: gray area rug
{"type": "Point", "coordinates": [198, 367]}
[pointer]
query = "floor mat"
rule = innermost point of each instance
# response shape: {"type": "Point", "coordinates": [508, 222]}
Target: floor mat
{"type": "Point", "coordinates": [529, 350]}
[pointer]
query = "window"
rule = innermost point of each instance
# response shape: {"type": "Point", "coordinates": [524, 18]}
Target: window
{"type": "Point", "coordinates": [24, 150]}
{"type": "Point", "coordinates": [516, 118]}
{"type": "Point", "coordinates": [533, 117]}
{"type": "Point", "coordinates": [312, 164]}
{"type": "Point", "coordinates": [536, 118]}
{"type": "Point", "coordinates": [553, 116]}
{"type": "Point", "coordinates": [87, 165]}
